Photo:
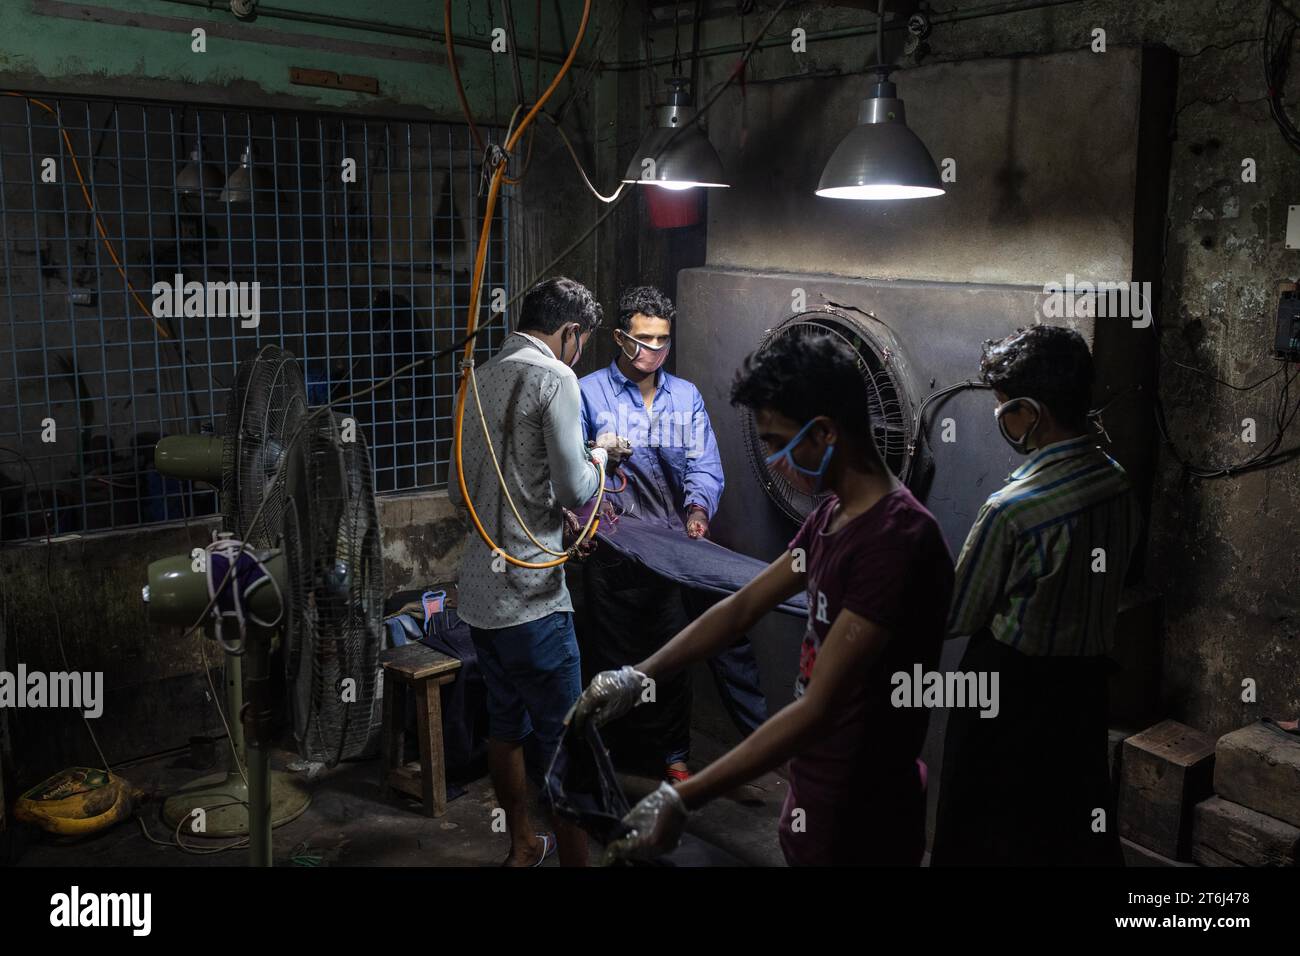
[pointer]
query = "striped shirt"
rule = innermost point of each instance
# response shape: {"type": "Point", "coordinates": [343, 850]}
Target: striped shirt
{"type": "Point", "coordinates": [1044, 565]}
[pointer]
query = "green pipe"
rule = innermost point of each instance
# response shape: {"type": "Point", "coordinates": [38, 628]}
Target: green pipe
{"type": "Point", "coordinates": [843, 33]}
{"type": "Point", "coordinates": [372, 26]}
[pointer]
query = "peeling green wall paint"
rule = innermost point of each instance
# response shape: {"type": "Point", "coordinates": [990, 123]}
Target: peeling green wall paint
{"type": "Point", "coordinates": [143, 47]}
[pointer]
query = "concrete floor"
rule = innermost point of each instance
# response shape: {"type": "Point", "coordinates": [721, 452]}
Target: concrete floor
{"type": "Point", "coordinates": [349, 823]}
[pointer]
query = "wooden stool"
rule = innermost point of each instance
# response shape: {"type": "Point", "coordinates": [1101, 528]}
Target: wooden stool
{"type": "Point", "coordinates": [422, 670]}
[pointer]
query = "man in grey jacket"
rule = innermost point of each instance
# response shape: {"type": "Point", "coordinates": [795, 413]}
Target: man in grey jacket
{"type": "Point", "coordinates": [521, 618]}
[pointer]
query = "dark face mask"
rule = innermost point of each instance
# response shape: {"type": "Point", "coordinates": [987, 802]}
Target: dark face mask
{"type": "Point", "coordinates": [1021, 444]}
{"type": "Point", "coordinates": [577, 337]}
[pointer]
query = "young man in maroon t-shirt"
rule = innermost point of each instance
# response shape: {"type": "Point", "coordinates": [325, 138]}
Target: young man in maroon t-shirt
{"type": "Point", "coordinates": [879, 580]}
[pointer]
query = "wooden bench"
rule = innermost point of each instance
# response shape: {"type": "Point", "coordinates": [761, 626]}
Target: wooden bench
{"type": "Point", "coordinates": [422, 671]}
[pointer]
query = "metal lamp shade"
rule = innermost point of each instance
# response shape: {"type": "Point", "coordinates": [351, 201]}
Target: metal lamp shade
{"type": "Point", "coordinates": [245, 180]}
{"type": "Point", "coordinates": [880, 158]}
{"type": "Point", "coordinates": [198, 177]}
{"type": "Point", "coordinates": [689, 160]}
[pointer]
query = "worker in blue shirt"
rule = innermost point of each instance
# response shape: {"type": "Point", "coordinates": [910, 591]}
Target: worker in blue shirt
{"type": "Point", "coordinates": [674, 478]}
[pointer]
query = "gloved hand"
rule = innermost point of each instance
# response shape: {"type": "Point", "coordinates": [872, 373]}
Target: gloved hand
{"type": "Point", "coordinates": [618, 449]}
{"type": "Point", "coordinates": [610, 694]}
{"type": "Point", "coordinates": [697, 522]}
{"type": "Point", "coordinates": [657, 823]}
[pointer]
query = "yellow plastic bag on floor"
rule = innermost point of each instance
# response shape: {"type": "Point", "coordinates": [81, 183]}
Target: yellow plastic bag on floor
{"type": "Point", "coordinates": [77, 802]}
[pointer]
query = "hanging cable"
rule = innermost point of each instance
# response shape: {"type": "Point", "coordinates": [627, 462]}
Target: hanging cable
{"type": "Point", "coordinates": [476, 283]}
{"type": "Point", "coordinates": [99, 223]}
{"type": "Point", "coordinates": [466, 341]}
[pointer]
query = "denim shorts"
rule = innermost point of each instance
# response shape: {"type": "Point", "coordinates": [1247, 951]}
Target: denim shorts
{"type": "Point", "coordinates": [533, 676]}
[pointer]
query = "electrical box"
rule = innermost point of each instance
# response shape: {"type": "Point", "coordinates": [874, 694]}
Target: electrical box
{"type": "Point", "coordinates": [1286, 345]}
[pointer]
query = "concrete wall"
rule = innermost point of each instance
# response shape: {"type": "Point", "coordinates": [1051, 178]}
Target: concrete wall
{"type": "Point", "coordinates": [129, 48]}
{"type": "Point", "coordinates": [144, 48]}
{"type": "Point", "coordinates": [1222, 552]}
{"type": "Point", "coordinates": [155, 694]}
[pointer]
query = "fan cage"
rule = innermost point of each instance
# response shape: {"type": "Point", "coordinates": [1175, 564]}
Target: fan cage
{"type": "Point", "coordinates": [263, 413]}
{"type": "Point", "coordinates": [337, 586]}
{"type": "Point", "coordinates": [888, 403]}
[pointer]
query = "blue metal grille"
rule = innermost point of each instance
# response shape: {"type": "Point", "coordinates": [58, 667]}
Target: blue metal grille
{"type": "Point", "coordinates": [355, 278]}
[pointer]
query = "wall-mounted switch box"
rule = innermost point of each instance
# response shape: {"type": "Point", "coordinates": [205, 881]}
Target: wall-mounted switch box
{"type": "Point", "coordinates": [1293, 227]}
{"type": "Point", "coordinates": [1286, 345]}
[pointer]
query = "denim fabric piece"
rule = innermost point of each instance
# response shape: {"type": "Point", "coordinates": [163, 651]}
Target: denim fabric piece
{"type": "Point", "coordinates": [694, 562]}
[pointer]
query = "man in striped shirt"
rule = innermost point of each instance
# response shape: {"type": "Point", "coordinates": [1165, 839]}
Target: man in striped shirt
{"type": "Point", "coordinates": [1037, 590]}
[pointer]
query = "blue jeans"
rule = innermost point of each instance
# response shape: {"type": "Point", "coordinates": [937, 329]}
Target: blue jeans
{"type": "Point", "coordinates": [533, 676]}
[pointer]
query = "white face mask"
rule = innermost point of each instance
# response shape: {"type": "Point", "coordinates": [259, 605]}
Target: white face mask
{"type": "Point", "coordinates": [1020, 444]}
{"type": "Point", "coordinates": [643, 356]}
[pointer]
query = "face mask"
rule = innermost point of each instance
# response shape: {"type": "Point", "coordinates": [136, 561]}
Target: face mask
{"type": "Point", "coordinates": [646, 358]}
{"type": "Point", "coordinates": [577, 338]}
{"type": "Point", "coordinates": [784, 459]}
{"type": "Point", "coordinates": [1020, 444]}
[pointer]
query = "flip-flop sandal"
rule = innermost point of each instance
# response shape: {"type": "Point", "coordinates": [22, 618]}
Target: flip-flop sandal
{"type": "Point", "coordinates": [548, 848]}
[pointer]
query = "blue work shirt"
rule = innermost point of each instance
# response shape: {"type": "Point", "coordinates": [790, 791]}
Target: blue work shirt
{"type": "Point", "coordinates": [674, 462]}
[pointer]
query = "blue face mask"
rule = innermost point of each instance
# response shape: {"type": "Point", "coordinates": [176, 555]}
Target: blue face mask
{"type": "Point", "coordinates": [786, 457]}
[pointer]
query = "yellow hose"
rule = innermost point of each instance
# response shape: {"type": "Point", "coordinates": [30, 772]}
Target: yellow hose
{"type": "Point", "coordinates": [467, 364]}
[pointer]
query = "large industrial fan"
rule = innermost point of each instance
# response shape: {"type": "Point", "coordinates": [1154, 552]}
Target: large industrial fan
{"type": "Point", "coordinates": [298, 565]}
{"type": "Point", "coordinates": [337, 597]}
{"type": "Point", "coordinates": [887, 401]}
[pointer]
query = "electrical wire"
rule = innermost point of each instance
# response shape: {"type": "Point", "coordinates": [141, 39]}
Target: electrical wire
{"type": "Point", "coordinates": [99, 223]}
{"type": "Point", "coordinates": [49, 590]}
{"type": "Point", "coordinates": [177, 842]}
{"type": "Point", "coordinates": [221, 712]}
{"type": "Point", "coordinates": [467, 363]}
{"type": "Point", "coordinates": [613, 197]}
{"type": "Point", "coordinates": [455, 77]}
{"type": "Point", "coordinates": [1276, 51]}
{"type": "Point", "coordinates": [473, 333]}
{"type": "Point", "coordinates": [476, 284]}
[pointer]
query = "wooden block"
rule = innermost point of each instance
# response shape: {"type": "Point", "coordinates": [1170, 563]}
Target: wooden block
{"type": "Point", "coordinates": [1244, 835]}
{"type": "Point", "coordinates": [1165, 771]}
{"type": "Point", "coordinates": [1259, 768]}
{"type": "Point", "coordinates": [413, 662]}
{"type": "Point", "coordinates": [1135, 854]}
{"type": "Point", "coordinates": [1207, 857]}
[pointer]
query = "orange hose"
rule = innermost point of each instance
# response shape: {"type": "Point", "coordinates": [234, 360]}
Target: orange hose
{"type": "Point", "coordinates": [480, 262]}
{"type": "Point", "coordinates": [103, 233]}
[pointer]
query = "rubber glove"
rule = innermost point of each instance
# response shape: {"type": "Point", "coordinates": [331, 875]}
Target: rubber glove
{"type": "Point", "coordinates": [657, 823]}
{"type": "Point", "coordinates": [610, 694]}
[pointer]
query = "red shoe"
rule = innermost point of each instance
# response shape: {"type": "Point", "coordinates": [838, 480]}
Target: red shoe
{"type": "Point", "coordinates": [672, 775]}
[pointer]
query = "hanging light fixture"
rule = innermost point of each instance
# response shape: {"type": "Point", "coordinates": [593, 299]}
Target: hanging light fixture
{"type": "Point", "coordinates": [675, 153]}
{"type": "Point", "coordinates": [881, 158]}
{"type": "Point", "coordinates": [199, 177]}
{"type": "Point", "coordinates": [679, 155]}
{"type": "Point", "coordinates": [246, 179]}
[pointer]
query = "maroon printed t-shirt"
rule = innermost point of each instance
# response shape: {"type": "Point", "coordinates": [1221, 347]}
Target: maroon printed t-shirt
{"type": "Point", "coordinates": [858, 785]}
